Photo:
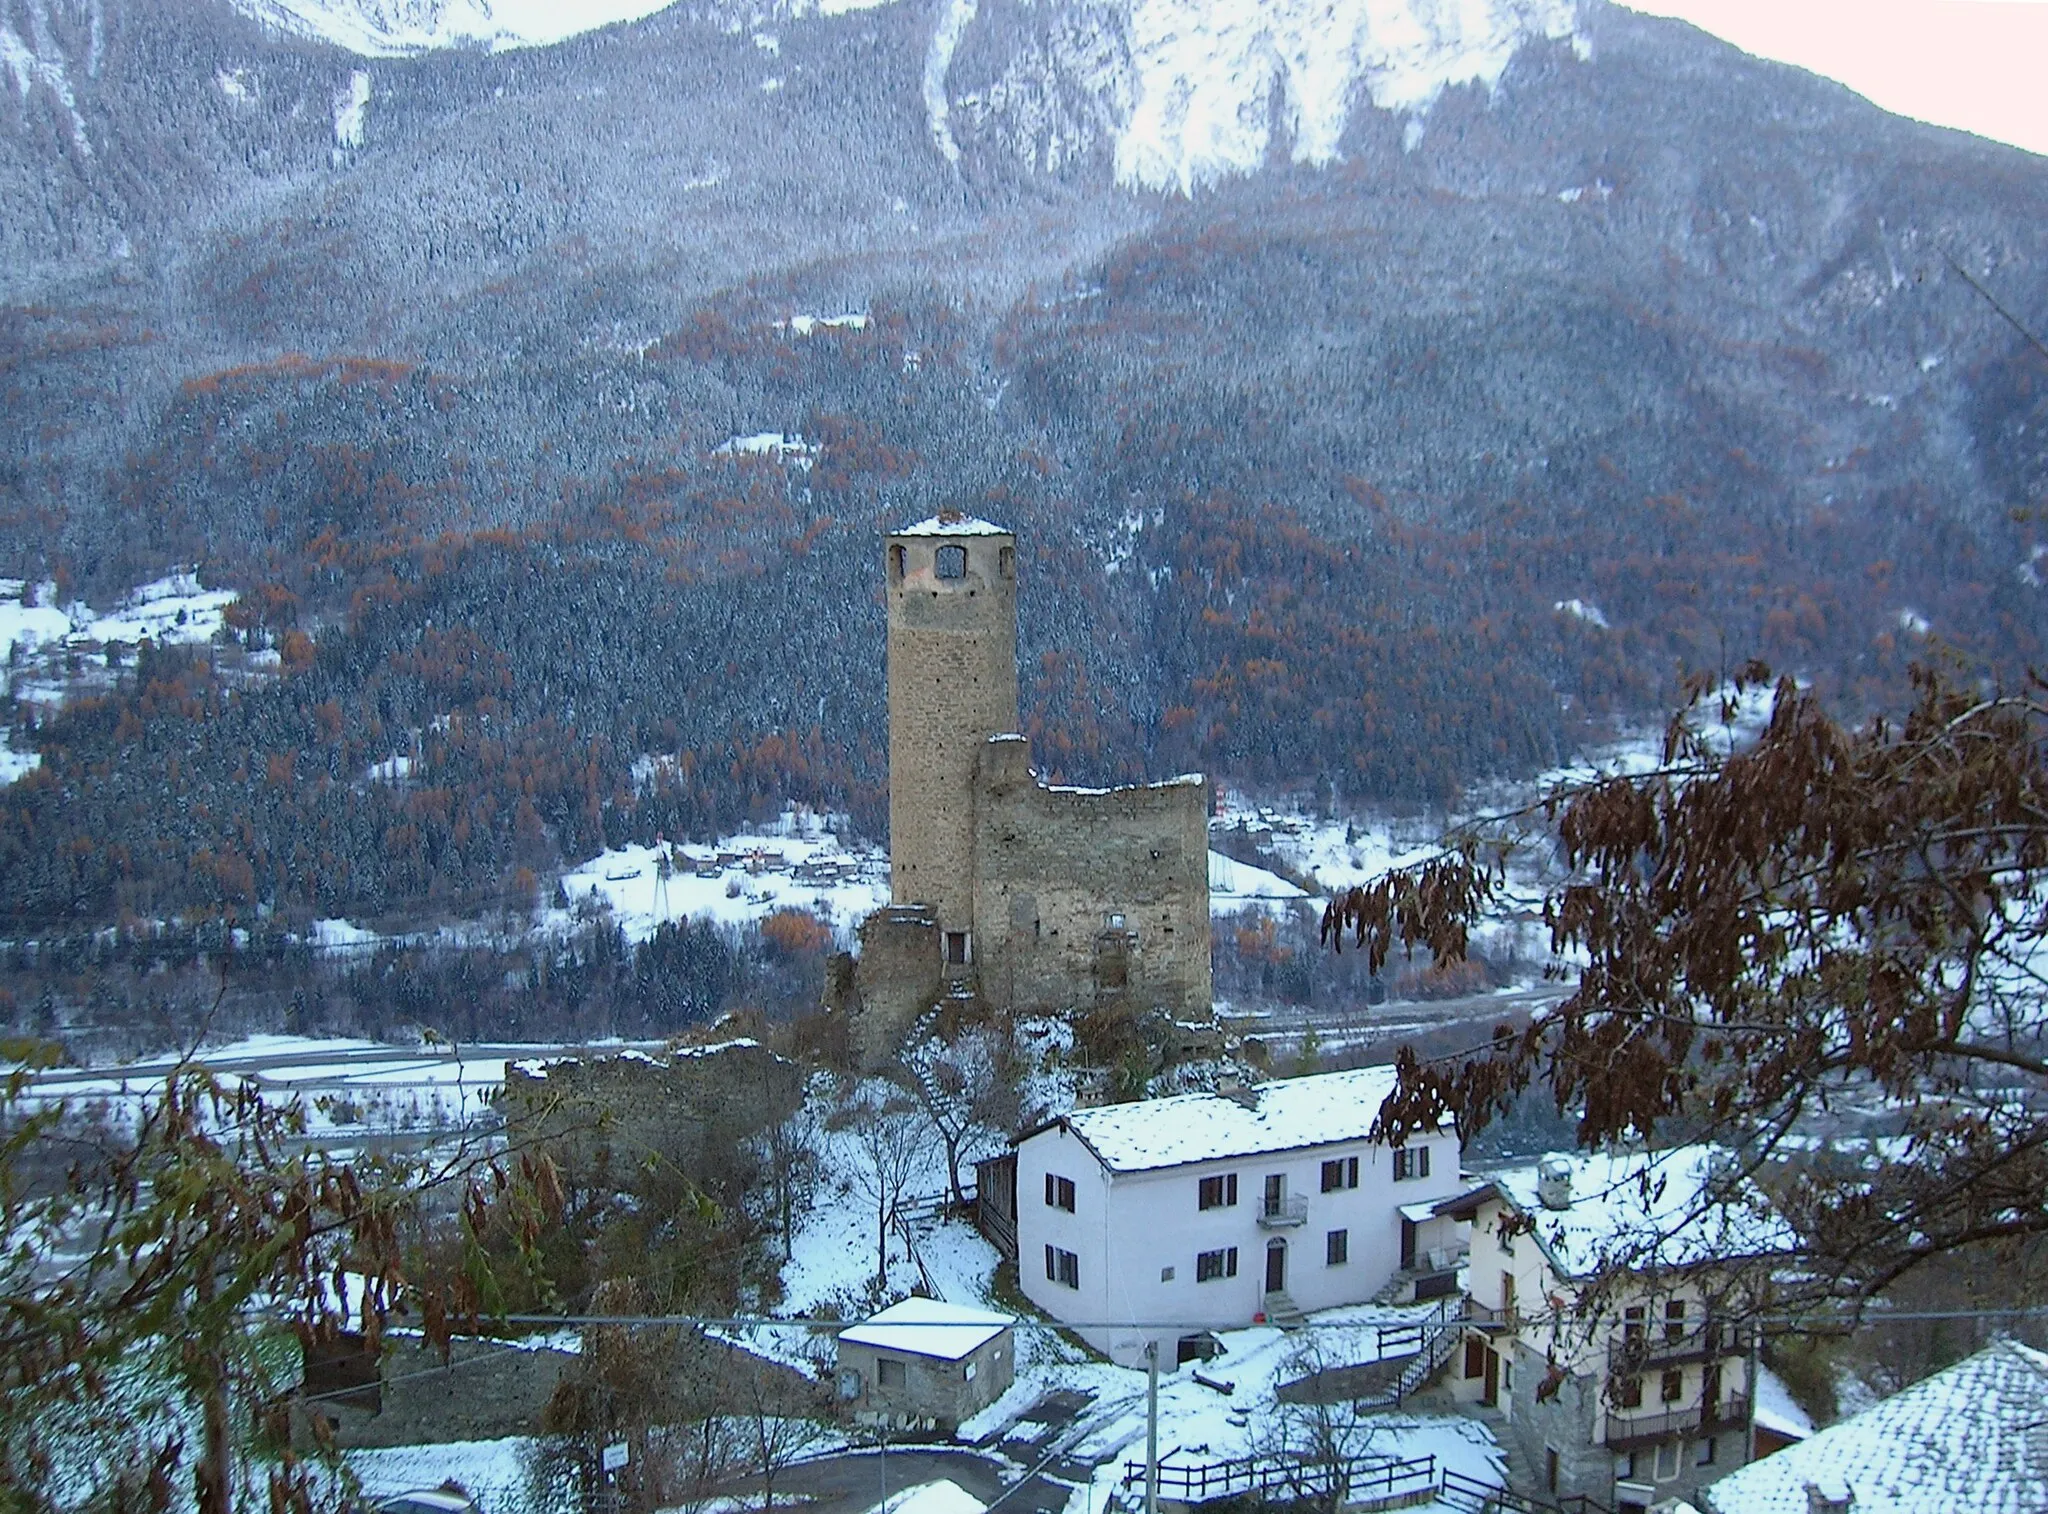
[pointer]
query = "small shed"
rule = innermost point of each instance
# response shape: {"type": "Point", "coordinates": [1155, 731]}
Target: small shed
{"type": "Point", "coordinates": [924, 1363]}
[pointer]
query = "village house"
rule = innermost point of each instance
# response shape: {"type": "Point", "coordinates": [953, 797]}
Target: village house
{"type": "Point", "coordinates": [925, 1364]}
{"type": "Point", "coordinates": [1604, 1319]}
{"type": "Point", "coordinates": [1971, 1438]}
{"type": "Point", "coordinates": [1153, 1222]}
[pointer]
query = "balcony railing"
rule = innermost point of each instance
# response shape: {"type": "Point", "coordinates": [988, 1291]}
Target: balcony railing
{"type": "Point", "coordinates": [1488, 1316]}
{"type": "Point", "coordinates": [1627, 1427]}
{"type": "Point", "coordinates": [1286, 1211]}
{"type": "Point", "coordinates": [1659, 1344]}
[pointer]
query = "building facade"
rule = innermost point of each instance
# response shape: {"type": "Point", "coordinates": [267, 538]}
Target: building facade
{"type": "Point", "coordinates": [1608, 1298]}
{"type": "Point", "coordinates": [1151, 1222]}
{"type": "Point", "coordinates": [1023, 895]}
{"type": "Point", "coordinates": [925, 1364]}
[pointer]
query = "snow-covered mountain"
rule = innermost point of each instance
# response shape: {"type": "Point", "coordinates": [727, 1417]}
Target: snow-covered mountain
{"type": "Point", "coordinates": [1180, 93]}
{"type": "Point", "coordinates": [1187, 92]}
{"type": "Point", "coordinates": [395, 28]}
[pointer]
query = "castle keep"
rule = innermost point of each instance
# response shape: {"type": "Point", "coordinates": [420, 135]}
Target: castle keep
{"type": "Point", "coordinates": [1025, 896]}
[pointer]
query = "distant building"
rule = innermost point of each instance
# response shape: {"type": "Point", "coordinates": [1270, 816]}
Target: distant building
{"type": "Point", "coordinates": [1970, 1440]}
{"type": "Point", "coordinates": [1598, 1287]}
{"type": "Point", "coordinates": [1005, 889]}
{"type": "Point", "coordinates": [1215, 1210]}
{"type": "Point", "coordinates": [925, 1364]}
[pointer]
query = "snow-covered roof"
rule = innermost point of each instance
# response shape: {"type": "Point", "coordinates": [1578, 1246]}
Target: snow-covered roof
{"type": "Point", "coordinates": [942, 1497]}
{"type": "Point", "coordinates": [1647, 1210]}
{"type": "Point", "coordinates": [1974, 1437]}
{"type": "Point", "coordinates": [1204, 1127]}
{"type": "Point", "coordinates": [953, 525]}
{"type": "Point", "coordinates": [1776, 1409]}
{"type": "Point", "coordinates": [928, 1327]}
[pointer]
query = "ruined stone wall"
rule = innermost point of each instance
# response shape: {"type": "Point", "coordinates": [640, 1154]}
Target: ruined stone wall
{"type": "Point", "coordinates": [896, 978]}
{"type": "Point", "coordinates": [1055, 867]}
{"type": "Point", "coordinates": [952, 684]}
{"type": "Point", "coordinates": [693, 1105]}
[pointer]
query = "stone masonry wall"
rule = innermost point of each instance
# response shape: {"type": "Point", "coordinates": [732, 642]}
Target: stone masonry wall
{"type": "Point", "coordinates": [1053, 867]}
{"type": "Point", "coordinates": [952, 685]}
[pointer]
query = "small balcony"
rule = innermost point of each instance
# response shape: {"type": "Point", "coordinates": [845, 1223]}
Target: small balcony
{"type": "Point", "coordinates": [1488, 1316]}
{"type": "Point", "coordinates": [1283, 1212]}
{"type": "Point", "coordinates": [1627, 1427]}
{"type": "Point", "coordinates": [1665, 1345]}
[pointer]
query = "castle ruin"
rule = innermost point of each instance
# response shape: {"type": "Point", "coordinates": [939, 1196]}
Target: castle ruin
{"type": "Point", "coordinates": [1023, 896]}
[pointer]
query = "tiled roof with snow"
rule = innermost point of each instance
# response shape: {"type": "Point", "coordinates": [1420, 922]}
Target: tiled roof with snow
{"type": "Point", "coordinates": [1203, 1127]}
{"type": "Point", "coordinates": [1973, 1438]}
{"type": "Point", "coordinates": [954, 525]}
{"type": "Point", "coordinates": [1647, 1210]}
{"type": "Point", "coordinates": [1776, 1408]}
{"type": "Point", "coordinates": [928, 1327]}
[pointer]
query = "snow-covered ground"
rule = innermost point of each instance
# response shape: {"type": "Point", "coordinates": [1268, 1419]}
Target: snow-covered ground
{"type": "Point", "coordinates": [1223, 1408]}
{"type": "Point", "coordinates": [739, 880]}
{"type": "Point", "coordinates": [346, 1087]}
{"type": "Point", "coordinates": [496, 1473]}
{"type": "Point", "coordinates": [52, 649]}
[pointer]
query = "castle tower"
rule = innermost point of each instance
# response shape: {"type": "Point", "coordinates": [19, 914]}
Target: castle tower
{"type": "Point", "coordinates": [952, 585]}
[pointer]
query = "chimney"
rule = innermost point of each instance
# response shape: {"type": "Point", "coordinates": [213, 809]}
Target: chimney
{"type": "Point", "coordinates": [1554, 1181]}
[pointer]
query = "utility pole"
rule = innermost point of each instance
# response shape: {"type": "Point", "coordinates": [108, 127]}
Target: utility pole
{"type": "Point", "coordinates": [1152, 1427]}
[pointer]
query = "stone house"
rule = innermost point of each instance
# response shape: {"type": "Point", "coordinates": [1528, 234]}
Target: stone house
{"type": "Point", "coordinates": [1607, 1297]}
{"type": "Point", "coordinates": [925, 1364]}
{"type": "Point", "coordinates": [1220, 1210]}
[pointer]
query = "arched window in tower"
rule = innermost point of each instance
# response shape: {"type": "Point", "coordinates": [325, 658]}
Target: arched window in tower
{"type": "Point", "coordinates": [951, 562]}
{"type": "Point", "coordinates": [896, 559]}
{"type": "Point", "coordinates": [1009, 562]}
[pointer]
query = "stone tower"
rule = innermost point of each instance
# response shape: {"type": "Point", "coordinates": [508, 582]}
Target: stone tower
{"type": "Point", "coordinates": [952, 585]}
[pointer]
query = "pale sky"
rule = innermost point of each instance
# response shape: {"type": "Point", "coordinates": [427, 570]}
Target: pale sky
{"type": "Point", "coordinates": [1981, 65]}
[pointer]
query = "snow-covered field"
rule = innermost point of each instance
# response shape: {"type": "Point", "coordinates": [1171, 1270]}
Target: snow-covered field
{"type": "Point", "coordinates": [51, 650]}
{"type": "Point", "coordinates": [798, 865]}
{"type": "Point", "coordinates": [347, 1088]}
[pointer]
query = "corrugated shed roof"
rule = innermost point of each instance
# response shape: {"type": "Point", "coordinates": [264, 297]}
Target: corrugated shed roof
{"type": "Point", "coordinates": [1970, 1440]}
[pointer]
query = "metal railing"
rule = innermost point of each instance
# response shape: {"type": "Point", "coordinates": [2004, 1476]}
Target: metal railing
{"type": "Point", "coordinates": [1659, 1342]}
{"type": "Point", "coordinates": [1358, 1479]}
{"type": "Point", "coordinates": [1624, 1427]}
{"type": "Point", "coordinates": [1289, 1209]}
{"type": "Point", "coordinates": [1476, 1497]}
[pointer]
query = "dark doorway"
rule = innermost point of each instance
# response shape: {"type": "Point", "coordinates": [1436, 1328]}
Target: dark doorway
{"type": "Point", "coordinates": [1276, 1267]}
{"type": "Point", "coordinates": [1491, 1396]}
{"type": "Point", "coordinates": [1407, 1244]}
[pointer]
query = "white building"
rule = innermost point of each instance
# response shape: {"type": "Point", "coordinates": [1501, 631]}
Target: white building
{"type": "Point", "coordinates": [1158, 1220]}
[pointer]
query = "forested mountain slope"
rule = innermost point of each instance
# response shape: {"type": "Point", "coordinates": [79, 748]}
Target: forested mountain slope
{"type": "Point", "coordinates": [1310, 413]}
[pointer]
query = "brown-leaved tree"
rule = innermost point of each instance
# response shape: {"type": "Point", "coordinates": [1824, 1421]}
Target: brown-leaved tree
{"type": "Point", "coordinates": [1771, 926]}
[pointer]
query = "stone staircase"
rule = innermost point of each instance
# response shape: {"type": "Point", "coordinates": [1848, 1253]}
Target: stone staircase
{"type": "Point", "coordinates": [1282, 1310]}
{"type": "Point", "coordinates": [1523, 1476]}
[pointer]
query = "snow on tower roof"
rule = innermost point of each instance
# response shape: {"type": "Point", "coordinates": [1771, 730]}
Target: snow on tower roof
{"type": "Point", "coordinates": [928, 1327]}
{"type": "Point", "coordinates": [1973, 1437]}
{"type": "Point", "coordinates": [953, 523]}
{"type": "Point", "coordinates": [1644, 1210]}
{"type": "Point", "coordinates": [1201, 1127]}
